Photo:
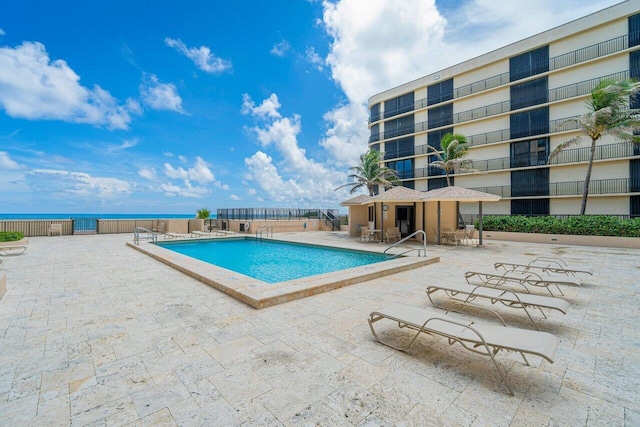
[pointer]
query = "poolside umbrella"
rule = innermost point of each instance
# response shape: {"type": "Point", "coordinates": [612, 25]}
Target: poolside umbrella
{"type": "Point", "coordinates": [462, 195]}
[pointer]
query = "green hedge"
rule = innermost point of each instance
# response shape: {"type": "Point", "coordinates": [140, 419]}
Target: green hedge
{"type": "Point", "coordinates": [10, 236]}
{"type": "Point", "coordinates": [588, 225]}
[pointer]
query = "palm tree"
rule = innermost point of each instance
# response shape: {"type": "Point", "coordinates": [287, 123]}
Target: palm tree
{"type": "Point", "coordinates": [607, 114]}
{"type": "Point", "coordinates": [370, 173]}
{"type": "Point", "coordinates": [454, 147]}
{"type": "Point", "coordinates": [203, 213]}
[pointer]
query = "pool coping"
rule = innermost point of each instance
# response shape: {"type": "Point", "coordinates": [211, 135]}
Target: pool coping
{"type": "Point", "coordinates": [259, 294]}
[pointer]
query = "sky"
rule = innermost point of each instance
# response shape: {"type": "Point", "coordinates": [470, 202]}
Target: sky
{"type": "Point", "coordinates": [157, 106]}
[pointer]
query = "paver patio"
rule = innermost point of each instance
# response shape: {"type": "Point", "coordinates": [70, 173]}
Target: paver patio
{"type": "Point", "coordinates": [95, 333]}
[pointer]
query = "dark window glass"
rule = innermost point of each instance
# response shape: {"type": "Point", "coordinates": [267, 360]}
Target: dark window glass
{"type": "Point", "coordinates": [374, 113]}
{"type": "Point", "coordinates": [399, 148]}
{"type": "Point", "coordinates": [440, 116]}
{"type": "Point", "coordinates": [438, 183]}
{"type": "Point", "coordinates": [634, 209]}
{"type": "Point", "coordinates": [634, 73]}
{"type": "Point", "coordinates": [432, 170]}
{"type": "Point", "coordinates": [529, 153]}
{"type": "Point", "coordinates": [530, 207]}
{"type": "Point", "coordinates": [400, 126]}
{"type": "Point", "coordinates": [376, 147]}
{"type": "Point", "coordinates": [375, 133]}
{"type": "Point", "coordinates": [530, 183]}
{"type": "Point", "coordinates": [434, 138]}
{"type": "Point", "coordinates": [529, 93]}
{"type": "Point", "coordinates": [529, 123]}
{"type": "Point", "coordinates": [403, 167]}
{"type": "Point", "coordinates": [634, 30]}
{"type": "Point", "coordinates": [440, 92]}
{"type": "Point", "coordinates": [399, 105]}
{"type": "Point", "coordinates": [634, 176]}
{"type": "Point", "coordinates": [529, 64]}
{"type": "Point", "coordinates": [409, 184]}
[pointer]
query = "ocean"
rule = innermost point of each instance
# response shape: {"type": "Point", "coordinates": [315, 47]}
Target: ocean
{"type": "Point", "coordinates": [100, 216]}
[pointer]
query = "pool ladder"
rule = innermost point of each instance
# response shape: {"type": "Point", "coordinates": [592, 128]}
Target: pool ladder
{"type": "Point", "coordinates": [148, 235]}
{"type": "Point", "coordinates": [421, 251]}
{"type": "Point", "coordinates": [265, 228]}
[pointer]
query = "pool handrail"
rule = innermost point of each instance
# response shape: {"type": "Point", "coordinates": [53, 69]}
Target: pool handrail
{"type": "Point", "coordinates": [266, 227]}
{"type": "Point", "coordinates": [151, 235]}
{"type": "Point", "coordinates": [423, 250]}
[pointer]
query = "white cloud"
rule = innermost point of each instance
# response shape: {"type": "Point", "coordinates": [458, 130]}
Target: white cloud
{"type": "Point", "coordinates": [126, 143]}
{"type": "Point", "coordinates": [268, 108]}
{"type": "Point", "coordinates": [200, 172]}
{"type": "Point", "coordinates": [251, 191]}
{"type": "Point", "coordinates": [148, 173]}
{"type": "Point", "coordinates": [160, 96]}
{"type": "Point", "coordinates": [297, 178]}
{"type": "Point", "coordinates": [6, 163]}
{"type": "Point", "coordinates": [201, 57]}
{"type": "Point", "coordinates": [347, 135]}
{"type": "Point", "coordinates": [234, 197]}
{"type": "Point", "coordinates": [314, 59]}
{"type": "Point", "coordinates": [34, 87]}
{"type": "Point", "coordinates": [78, 184]}
{"type": "Point", "coordinates": [187, 190]}
{"type": "Point", "coordinates": [280, 49]}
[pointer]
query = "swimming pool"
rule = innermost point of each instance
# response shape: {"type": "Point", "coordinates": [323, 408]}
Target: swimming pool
{"type": "Point", "coordinates": [272, 261]}
{"type": "Point", "coordinates": [259, 293]}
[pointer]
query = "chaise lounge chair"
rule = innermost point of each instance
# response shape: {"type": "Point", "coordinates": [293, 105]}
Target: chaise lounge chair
{"type": "Point", "coordinates": [225, 233]}
{"type": "Point", "coordinates": [523, 279]}
{"type": "Point", "coordinates": [549, 265]}
{"type": "Point", "coordinates": [175, 236]}
{"type": "Point", "coordinates": [464, 294]}
{"type": "Point", "coordinates": [486, 340]}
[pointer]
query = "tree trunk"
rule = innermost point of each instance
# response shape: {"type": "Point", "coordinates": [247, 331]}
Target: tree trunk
{"type": "Point", "coordinates": [587, 179]}
{"type": "Point", "coordinates": [448, 180]}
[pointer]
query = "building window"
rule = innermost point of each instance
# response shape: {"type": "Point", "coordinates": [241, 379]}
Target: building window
{"type": "Point", "coordinates": [529, 123]}
{"type": "Point", "coordinates": [399, 148]}
{"type": "Point", "coordinates": [371, 213]}
{"type": "Point", "coordinates": [397, 127]}
{"type": "Point", "coordinates": [434, 138]}
{"type": "Point", "coordinates": [403, 167]}
{"type": "Point", "coordinates": [530, 207]}
{"type": "Point", "coordinates": [529, 64]}
{"type": "Point", "coordinates": [440, 116]}
{"type": "Point", "coordinates": [440, 92]}
{"type": "Point", "coordinates": [529, 93]}
{"type": "Point", "coordinates": [376, 147]}
{"type": "Point", "coordinates": [533, 182]}
{"type": "Point", "coordinates": [433, 170]}
{"type": "Point", "coordinates": [634, 208]}
{"type": "Point", "coordinates": [438, 183]}
{"type": "Point", "coordinates": [409, 184]}
{"type": "Point", "coordinates": [399, 105]}
{"type": "Point", "coordinates": [529, 153]}
{"type": "Point", "coordinates": [374, 113]}
{"type": "Point", "coordinates": [634, 30]}
{"type": "Point", "coordinates": [634, 73]}
{"type": "Point", "coordinates": [375, 133]}
{"type": "Point", "coordinates": [634, 176]}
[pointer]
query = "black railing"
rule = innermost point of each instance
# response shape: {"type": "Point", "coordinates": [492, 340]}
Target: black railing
{"type": "Point", "coordinates": [472, 218]}
{"type": "Point", "coordinates": [557, 62]}
{"type": "Point", "coordinates": [273, 214]}
{"type": "Point", "coordinates": [569, 188]}
{"type": "Point", "coordinates": [85, 225]}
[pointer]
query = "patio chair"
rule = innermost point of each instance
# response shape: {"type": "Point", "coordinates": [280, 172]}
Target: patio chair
{"type": "Point", "coordinates": [470, 237]}
{"type": "Point", "coordinates": [548, 265]}
{"type": "Point", "coordinates": [54, 229]}
{"type": "Point", "coordinates": [393, 233]}
{"type": "Point", "coordinates": [365, 236]}
{"type": "Point", "coordinates": [522, 279]}
{"type": "Point", "coordinates": [464, 294]}
{"type": "Point", "coordinates": [486, 340]}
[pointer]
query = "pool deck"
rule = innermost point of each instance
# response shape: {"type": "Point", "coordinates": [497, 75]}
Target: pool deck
{"type": "Point", "coordinates": [93, 332]}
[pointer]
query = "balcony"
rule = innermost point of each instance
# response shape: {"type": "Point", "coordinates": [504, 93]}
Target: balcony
{"type": "Point", "coordinates": [570, 188]}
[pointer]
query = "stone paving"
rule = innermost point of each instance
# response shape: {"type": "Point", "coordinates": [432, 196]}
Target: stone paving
{"type": "Point", "coordinates": [95, 333]}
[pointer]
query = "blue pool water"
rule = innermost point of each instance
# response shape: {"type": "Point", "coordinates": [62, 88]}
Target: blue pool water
{"type": "Point", "coordinates": [273, 262]}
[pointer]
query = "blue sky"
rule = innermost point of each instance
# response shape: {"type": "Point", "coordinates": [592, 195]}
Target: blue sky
{"type": "Point", "coordinates": [167, 107]}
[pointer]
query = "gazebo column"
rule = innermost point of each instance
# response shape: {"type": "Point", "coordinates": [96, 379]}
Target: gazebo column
{"type": "Point", "coordinates": [480, 224]}
{"type": "Point", "coordinates": [438, 235]}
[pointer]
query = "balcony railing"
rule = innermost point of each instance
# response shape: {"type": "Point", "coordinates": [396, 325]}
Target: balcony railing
{"type": "Point", "coordinates": [557, 62]}
{"type": "Point", "coordinates": [569, 188]}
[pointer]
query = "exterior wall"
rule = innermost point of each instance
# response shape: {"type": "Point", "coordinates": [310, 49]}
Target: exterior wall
{"type": "Point", "coordinates": [574, 68]}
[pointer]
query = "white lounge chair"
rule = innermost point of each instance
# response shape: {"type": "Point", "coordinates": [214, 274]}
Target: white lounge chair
{"type": "Point", "coordinates": [548, 265]}
{"type": "Point", "coordinates": [486, 340]}
{"type": "Point", "coordinates": [175, 236]}
{"type": "Point", "coordinates": [465, 294]}
{"type": "Point", "coordinates": [498, 279]}
{"type": "Point", "coordinates": [225, 233]}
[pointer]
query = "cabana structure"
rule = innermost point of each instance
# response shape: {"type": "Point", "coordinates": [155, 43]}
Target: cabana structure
{"type": "Point", "coordinates": [412, 210]}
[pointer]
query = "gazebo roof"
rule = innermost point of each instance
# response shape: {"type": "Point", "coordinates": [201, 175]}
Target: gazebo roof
{"type": "Point", "coordinates": [459, 194]}
{"type": "Point", "coordinates": [358, 200]}
{"type": "Point", "coordinates": [397, 194]}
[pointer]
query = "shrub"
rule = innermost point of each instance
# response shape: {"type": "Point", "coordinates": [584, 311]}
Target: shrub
{"type": "Point", "coordinates": [586, 225]}
{"type": "Point", "coordinates": [10, 236]}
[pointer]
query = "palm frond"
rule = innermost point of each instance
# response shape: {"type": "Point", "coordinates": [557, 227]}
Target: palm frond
{"type": "Point", "coordinates": [560, 148]}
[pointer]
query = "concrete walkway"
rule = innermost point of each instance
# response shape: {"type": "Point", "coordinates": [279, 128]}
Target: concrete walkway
{"type": "Point", "coordinates": [95, 333]}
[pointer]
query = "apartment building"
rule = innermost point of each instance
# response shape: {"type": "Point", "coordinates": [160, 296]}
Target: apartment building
{"type": "Point", "coordinates": [515, 105]}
